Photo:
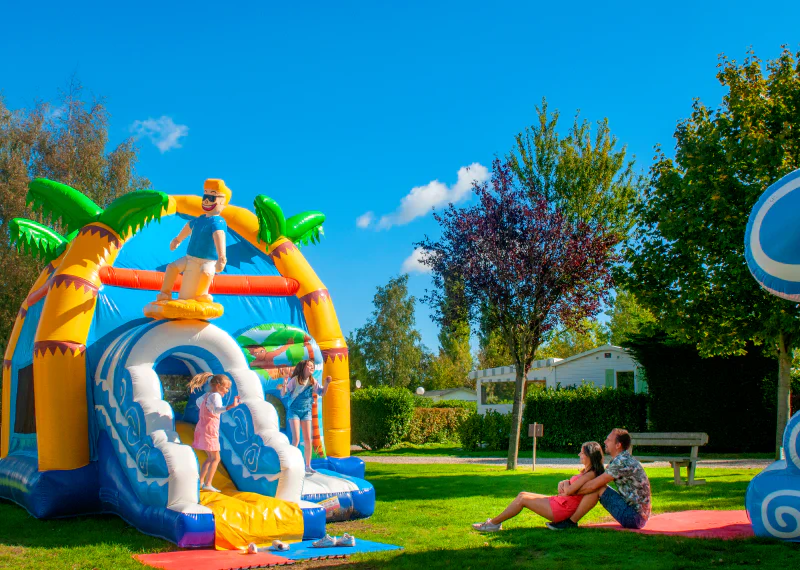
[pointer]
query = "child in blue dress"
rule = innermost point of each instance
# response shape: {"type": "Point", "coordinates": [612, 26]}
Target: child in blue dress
{"type": "Point", "coordinates": [298, 393]}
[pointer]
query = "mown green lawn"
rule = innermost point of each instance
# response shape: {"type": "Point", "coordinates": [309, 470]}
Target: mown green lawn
{"type": "Point", "coordinates": [427, 509]}
{"type": "Point", "coordinates": [449, 449]}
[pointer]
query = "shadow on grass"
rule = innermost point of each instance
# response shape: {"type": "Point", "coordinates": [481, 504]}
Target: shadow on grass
{"type": "Point", "coordinates": [717, 493]}
{"type": "Point", "coordinates": [18, 528]}
{"type": "Point", "coordinates": [595, 548]}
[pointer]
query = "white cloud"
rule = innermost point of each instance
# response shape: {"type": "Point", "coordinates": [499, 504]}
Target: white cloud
{"type": "Point", "coordinates": [413, 263]}
{"type": "Point", "coordinates": [365, 220]}
{"type": "Point", "coordinates": [422, 199]}
{"type": "Point", "coordinates": [162, 132]}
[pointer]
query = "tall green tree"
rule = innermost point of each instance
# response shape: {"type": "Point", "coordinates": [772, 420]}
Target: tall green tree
{"type": "Point", "coordinates": [64, 140]}
{"type": "Point", "coordinates": [586, 175]}
{"type": "Point", "coordinates": [388, 348]}
{"type": "Point", "coordinates": [687, 263]}
{"type": "Point", "coordinates": [566, 342]}
{"type": "Point", "coordinates": [450, 369]}
{"type": "Point", "coordinates": [626, 317]}
{"type": "Point", "coordinates": [525, 260]}
{"type": "Point", "coordinates": [493, 349]}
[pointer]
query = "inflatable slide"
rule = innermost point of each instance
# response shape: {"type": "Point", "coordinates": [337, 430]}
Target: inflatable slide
{"type": "Point", "coordinates": [86, 427]}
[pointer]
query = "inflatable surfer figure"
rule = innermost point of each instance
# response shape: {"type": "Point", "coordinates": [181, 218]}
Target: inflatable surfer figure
{"type": "Point", "coordinates": [204, 257]}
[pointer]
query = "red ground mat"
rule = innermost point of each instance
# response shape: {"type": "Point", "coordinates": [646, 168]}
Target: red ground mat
{"type": "Point", "coordinates": [210, 560]}
{"type": "Point", "coordinates": [696, 524]}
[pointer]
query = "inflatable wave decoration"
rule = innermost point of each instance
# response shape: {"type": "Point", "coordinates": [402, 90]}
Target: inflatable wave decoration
{"type": "Point", "coordinates": [772, 238]}
{"type": "Point", "coordinates": [773, 496]}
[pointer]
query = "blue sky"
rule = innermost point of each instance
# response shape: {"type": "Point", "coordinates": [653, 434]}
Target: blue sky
{"type": "Point", "coordinates": [348, 107]}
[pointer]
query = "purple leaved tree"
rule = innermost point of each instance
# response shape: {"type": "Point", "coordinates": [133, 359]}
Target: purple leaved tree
{"type": "Point", "coordinates": [524, 265]}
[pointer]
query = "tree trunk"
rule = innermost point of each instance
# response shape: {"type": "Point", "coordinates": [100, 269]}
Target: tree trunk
{"type": "Point", "coordinates": [516, 418]}
{"type": "Point", "coordinates": [784, 393]}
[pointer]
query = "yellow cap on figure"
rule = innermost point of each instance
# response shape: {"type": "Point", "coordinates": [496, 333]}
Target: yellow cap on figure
{"type": "Point", "coordinates": [218, 185]}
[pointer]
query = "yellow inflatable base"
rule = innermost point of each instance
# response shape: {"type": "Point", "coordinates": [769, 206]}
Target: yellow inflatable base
{"type": "Point", "coordinates": [241, 518]}
{"type": "Point", "coordinates": [183, 309]}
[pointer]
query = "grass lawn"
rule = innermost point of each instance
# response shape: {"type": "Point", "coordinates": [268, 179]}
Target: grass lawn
{"type": "Point", "coordinates": [428, 509]}
{"type": "Point", "coordinates": [449, 449]}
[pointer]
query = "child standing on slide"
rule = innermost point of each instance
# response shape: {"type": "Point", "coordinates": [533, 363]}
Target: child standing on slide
{"type": "Point", "coordinates": [300, 390]}
{"type": "Point", "coordinates": [206, 433]}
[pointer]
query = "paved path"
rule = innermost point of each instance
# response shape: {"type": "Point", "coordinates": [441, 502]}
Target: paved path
{"type": "Point", "coordinates": [561, 462]}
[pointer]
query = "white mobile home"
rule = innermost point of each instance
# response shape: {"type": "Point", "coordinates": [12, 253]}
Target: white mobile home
{"type": "Point", "coordinates": [464, 394]}
{"type": "Point", "coordinates": [606, 365]}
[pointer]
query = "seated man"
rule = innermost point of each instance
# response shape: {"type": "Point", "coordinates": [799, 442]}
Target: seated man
{"type": "Point", "coordinates": [630, 503]}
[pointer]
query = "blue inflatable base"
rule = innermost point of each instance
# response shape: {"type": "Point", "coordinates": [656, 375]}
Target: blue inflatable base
{"type": "Point", "coordinates": [314, 520]}
{"type": "Point", "coordinates": [352, 466]}
{"type": "Point", "coordinates": [358, 504]}
{"type": "Point", "coordinates": [118, 497]}
{"type": "Point", "coordinates": [48, 494]}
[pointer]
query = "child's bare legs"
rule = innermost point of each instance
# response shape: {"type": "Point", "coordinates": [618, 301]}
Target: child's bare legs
{"type": "Point", "coordinates": [209, 468]}
{"type": "Point", "coordinates": [307, 442]}
{"type": "Point", "coordinates": [539, 504]}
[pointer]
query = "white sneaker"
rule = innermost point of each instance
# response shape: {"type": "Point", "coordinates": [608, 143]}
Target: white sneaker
{"type": "Point", "coordinates": [487, 526]}
{"type": "Point", "coordinates": [346, 540]}
{"type": "Point", "coordinates": [210, 488]}
{"type": "Point", "coordinates": [280, 545]}
{"type": "Point", "coordinates": [324, 542]}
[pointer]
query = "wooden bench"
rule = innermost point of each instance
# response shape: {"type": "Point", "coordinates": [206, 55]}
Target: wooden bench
{"type": "Point", "coordinates": [675, 439]}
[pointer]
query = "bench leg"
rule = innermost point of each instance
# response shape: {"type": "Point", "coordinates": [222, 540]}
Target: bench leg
{"type": "Point", "coordinates": [690, 474]}
{"type": "Point", "coordinates": [676, 467]}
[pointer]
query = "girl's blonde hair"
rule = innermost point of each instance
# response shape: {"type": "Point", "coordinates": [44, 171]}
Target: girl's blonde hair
{"type": "Point", "coordinates": [199, 380]}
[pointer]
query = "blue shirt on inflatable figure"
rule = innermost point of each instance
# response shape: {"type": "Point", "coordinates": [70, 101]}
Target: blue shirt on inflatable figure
{"type": "Point", "coordinates": [204, 257]}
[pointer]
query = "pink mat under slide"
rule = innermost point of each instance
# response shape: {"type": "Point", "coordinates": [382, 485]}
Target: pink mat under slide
{"type": "Point", "coordinates": [695, 524]}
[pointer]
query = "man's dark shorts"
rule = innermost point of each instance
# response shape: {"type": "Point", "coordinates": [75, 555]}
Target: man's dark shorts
{"type": "Point", "coordinates": [622, 512]}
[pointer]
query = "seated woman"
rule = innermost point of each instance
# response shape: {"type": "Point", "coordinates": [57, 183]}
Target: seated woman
{"type": "Point", "coordinates": [555, 508]}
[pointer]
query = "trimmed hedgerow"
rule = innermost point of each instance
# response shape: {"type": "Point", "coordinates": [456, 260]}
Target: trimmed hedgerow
{"type": "Point", "coordinates": [380, 417]}
{"type": "Point", "coordinates": [587, 413]}
{"type": "Point", "coordinates": [472, 406]}
{"type": "Point", "coordinates": [570, 417]}
{"type": "Point", "coordinates": [434, 425]}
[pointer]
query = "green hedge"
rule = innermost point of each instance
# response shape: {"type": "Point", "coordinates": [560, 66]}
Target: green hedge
{"type": "Point", "coordinates": [587, 413]}
{"type": "Point", "coordinates": [732, 399]}
{"type": "Point", "coordinates": [435, 425]}
{"type": "Point", "coordinates": [570, 417]}
{"type": "Point", "coordinates": [472, 406]}
{"type": "Point", "coordinates": [380, 417]}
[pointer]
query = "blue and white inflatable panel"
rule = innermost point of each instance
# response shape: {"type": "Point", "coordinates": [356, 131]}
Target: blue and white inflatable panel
{"type": "Point", "coordinates": [773, 496]}
{"type": "Point", "coordinates": [772, 238]}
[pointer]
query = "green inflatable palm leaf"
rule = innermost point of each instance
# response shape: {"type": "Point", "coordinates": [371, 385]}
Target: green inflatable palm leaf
{"type": "Point", "coordinates": [58, 201]}
{"type": "Point", "coordinates": [305, 227]}
{"type": "Point", "coordinates": [131, 212]}
{"type": "Point", "coordinates": [36, 240]}
{"type": "Point", "coordinates": [271, 221]}
{"type": "Point", "coordinates": [272, 224]}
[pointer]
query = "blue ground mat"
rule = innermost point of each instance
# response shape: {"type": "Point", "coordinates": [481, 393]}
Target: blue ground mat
{"type": "Point", "coordinates": [304, 550]}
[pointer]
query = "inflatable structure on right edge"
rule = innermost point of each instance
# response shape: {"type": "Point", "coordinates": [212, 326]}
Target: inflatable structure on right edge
{"type": "Point", "coordinates": [772, 250]}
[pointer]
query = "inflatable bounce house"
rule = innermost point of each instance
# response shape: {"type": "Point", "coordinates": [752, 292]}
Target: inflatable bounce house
{"type": "Point", "coordinates": [85, 426]}
{"type": "Point", "coordinates": [772, 248]}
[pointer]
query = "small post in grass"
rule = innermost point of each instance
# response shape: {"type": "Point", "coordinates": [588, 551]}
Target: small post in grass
{"type": "Point", "coordinates": [535, 430]}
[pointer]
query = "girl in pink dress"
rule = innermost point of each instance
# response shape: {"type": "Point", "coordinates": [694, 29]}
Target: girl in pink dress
{"type": "Point", "coordinates": [555, 508]}
{"type": "Point", "coordinates": [206, 433]}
